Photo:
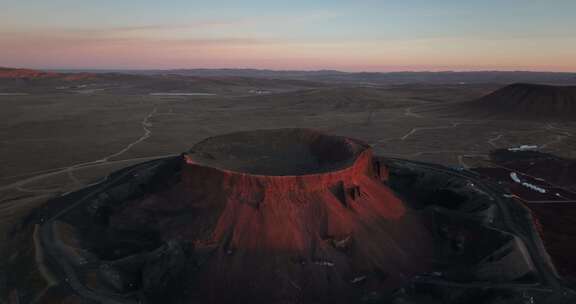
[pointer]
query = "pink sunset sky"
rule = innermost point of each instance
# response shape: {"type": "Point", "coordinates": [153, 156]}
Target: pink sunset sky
{"type": "Point", "coordinates": [343, 35]}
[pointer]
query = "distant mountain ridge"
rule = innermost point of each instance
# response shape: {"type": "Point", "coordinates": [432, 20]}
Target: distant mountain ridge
{"type": "Point", "coordinates": [36, 81]}
{"type": "Point", "coordinates": [15, 73]}
{"type": "Point", "coordinates": [25, 73]}
{"type": "Point", "coordinates": [319, 76]}
{"type": "Point", "coordinates": [328, 76]}
{"type": "Point", "coordinates": [387, 78]}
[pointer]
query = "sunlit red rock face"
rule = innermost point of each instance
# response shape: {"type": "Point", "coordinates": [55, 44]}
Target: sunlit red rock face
{"type": "Point", "coordinates": [287, 216]}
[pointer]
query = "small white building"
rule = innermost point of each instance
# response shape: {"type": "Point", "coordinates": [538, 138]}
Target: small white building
{"type": "Point", "coordinates": [524, 148]}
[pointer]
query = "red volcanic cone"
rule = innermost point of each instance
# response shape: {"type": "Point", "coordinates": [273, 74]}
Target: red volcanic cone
{"type": "Point", "coordinates": [288, 215]}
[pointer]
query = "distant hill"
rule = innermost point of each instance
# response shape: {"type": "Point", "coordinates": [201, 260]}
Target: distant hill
{"type": "Point", "coordinates": [526, 101]}
{"type": "Point", "coordinates": [364, 78]}
{"type": "Point", "coordinates": [392, 78]}
{"type": "Point", "coordinates": [29, 74]}
{"type": "Point", "coordinates": [35, 81]}
{"type": "Point", "coordinates": [25, 73]}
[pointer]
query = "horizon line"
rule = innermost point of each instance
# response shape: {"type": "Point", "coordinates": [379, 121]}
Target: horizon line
{"type": "Point", "coordinates": [298, 70]}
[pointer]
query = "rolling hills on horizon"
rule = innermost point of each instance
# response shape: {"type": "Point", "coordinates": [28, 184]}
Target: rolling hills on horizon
{"type": "Point", "coordinates": [334, 76]}
{"type": "Point", "coordinates": [36, 81]}
{"type": "Point", "coordinates": [384, 78]}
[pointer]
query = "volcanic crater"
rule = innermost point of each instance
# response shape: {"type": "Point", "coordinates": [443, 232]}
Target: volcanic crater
{"type": "Point", "coordinates": [286, 214]}
{"type": "Point", "coordinates": [277, 216]}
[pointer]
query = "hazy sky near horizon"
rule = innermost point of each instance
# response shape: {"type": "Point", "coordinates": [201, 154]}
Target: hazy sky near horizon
{"type": "Point", "coordinates": [362, 35]}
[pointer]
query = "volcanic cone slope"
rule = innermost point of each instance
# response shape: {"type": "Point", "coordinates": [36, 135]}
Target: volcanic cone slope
{"type": "Point", "coordinates": [526, 101]}
{"type": "Point", "coordinates": [278, 216]}
{"type": "Point", "coordinates": [286, 215]}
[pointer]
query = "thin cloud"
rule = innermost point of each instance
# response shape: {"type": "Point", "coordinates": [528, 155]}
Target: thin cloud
{"type": "Point", "coordinates": [158, 28]}
{"type": "Point", "coordinates": [198, 27]}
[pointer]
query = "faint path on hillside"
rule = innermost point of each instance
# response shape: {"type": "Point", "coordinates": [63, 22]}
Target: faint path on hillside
{"type": "Point", "coordinates": [462, 162]}
{"type": "Point", "coordinates": [492, 141]}
{"type": "Point", "coordinates": [415, 130]}
{"type": "Point", "coordinates": [561, 135]}
{"type": "Point", "coordinates": [408, 112]}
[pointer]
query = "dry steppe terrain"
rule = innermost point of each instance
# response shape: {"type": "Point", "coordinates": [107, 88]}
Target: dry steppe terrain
{"type": "Point", "coordinates": [54, 142]}
{"type": "Point", "coordinates": [61, 133]}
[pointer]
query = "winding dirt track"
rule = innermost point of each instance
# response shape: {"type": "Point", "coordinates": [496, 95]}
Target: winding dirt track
{"type": "Point", "coordinates": [147, 132]}
{"type": "Point", "coordinates": [560, 135]}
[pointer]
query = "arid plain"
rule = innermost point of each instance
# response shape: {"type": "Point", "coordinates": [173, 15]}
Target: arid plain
{"type": "Point", "coordinates": [59, 141]}
{"type": "Point", "coordinates": [62, 134]}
